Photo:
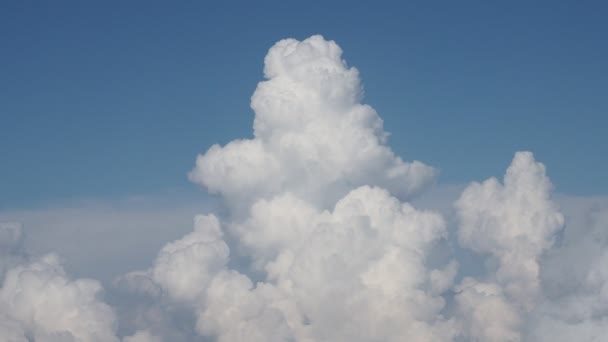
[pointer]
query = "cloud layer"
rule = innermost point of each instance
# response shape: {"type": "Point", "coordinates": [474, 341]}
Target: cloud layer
{"type": "Point", "coordinates": [319, 242]}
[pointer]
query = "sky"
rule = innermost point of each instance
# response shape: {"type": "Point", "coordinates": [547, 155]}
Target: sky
{"type": "Point", "coordinates": [303, 171]}
{"type": "Point", "coordinates": [114, 99]}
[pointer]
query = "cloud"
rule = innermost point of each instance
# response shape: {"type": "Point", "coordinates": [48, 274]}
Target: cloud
{"type": "Point", "coordinates": [367, 257]}
{"type": "Point", "coordinates": [185, 267]}
{"type": "Point", "coordinates": [314, 208]}
{"type": "Point", "coordinates": [102, 239]}
{"type": "Point", "coordinates": [39, 302]}
{"type": "Point", "coordinates": [312, 136]}
{"type": "Point", "coordinates": [513, 223]}
{"type": "Point", "coordinates": [318, 241]}
{"type": "Point", "coordinates": [486, 313]}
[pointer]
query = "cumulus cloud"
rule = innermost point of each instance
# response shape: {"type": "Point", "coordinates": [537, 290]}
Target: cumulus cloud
{"type": "Point", "coordinates": [316, 210]}
{"type": "Point", "coordinates": [312, 135]}
{"type": "Point", "coordinates": [319, 243]}
{"type": "Point", "coordinates": [366, 258]}
{"type": "Point", "coordinates": [333, 252]}
{"type": "Point", "coordinates": [514, 223]}
{"type": "Point", "coordinates": [40, 302]}
{"type": "Point", "coordinates": [185, 267]}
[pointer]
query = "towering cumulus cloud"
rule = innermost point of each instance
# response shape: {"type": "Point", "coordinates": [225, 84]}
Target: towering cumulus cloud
{"type": "Point", "coordinates": [315, 201]}
{"type": "Point", "coordinates": [514, 224]}
{"type": "Point", "coordinates": [331, 252]}
{"type": "Point", "coordinates": [312, 136]}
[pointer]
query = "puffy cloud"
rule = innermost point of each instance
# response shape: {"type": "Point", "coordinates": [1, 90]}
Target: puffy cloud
{"type": "Point", "coordinates": [315, 148]}
{"type": "Point", "coordinates": [39, 302]}
{"type": "Point", "coordinates": [314, 142]}
{"type": "Point", "coordinates": [314, 198]}
{"type": "Point", "coordinates": [185, 267]}
{"type": "Point", "coordinates": [570, 304]}
{"type": "Point", "coordinates": [318, 244]}
{"type": "Point", "coordinates": [367, 258]}
{"type": "Point", "coordinates": [312, 136]}
{"type": "Point", "coordinates": [235, 310]}
{"type": "Point", "coordinates": [513, 223]}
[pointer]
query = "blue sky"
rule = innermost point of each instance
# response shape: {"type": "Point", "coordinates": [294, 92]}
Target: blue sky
{"type": "Point", "coordinates": [112, 99]}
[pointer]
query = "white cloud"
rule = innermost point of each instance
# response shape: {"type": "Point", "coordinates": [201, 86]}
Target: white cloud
{"type": "Point", "coordinates": [102, 239]}
{"type": "Point", "coordinates": [185, 267]}
{"type": "Point", "coordinates": [312, 136]}
{"type": "Point", "coordinates": [315, 148]}
{"type": "Point", "coordinates": [514, 223]}
{"type": "Point", "coordinates": [315, 236]}
{"type": "Point", "coordinates": [367, 258]}
{"type": "Point", "coordinates": [39, 301]}
{"type": "Point", "coordinates": [317, 243]}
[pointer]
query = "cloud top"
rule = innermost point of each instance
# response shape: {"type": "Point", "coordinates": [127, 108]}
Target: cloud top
{"type": "Point", "coordinates": [312, 136]}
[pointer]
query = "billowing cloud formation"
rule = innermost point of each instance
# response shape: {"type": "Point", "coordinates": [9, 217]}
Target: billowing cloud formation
{"type": "Point", "coordinates": [39, 302]}
{"type": "Point", "coordinates": [514, 223]}
{"type": "Point", "coordinates": [319, 245]}
{"type": "Point", "coordinates": [315, 148]}
{"type": "Point", "coordinates": [366, 258]}
{"type": "Point", "coordinates": [312, 136]}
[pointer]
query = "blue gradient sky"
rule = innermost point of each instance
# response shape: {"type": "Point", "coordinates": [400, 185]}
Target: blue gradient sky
{"type": "Point", "coordinates": [114, 99]}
